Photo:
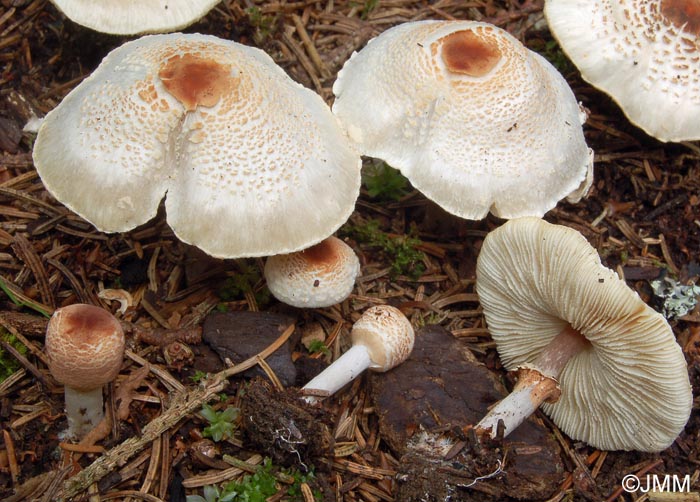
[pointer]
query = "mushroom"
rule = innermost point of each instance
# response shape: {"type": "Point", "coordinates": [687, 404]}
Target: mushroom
{"type": "Point", "coordinates": [253, 163]}
{"type": "Point", "coordinates": [382, 338]}
{"type": "Point", "coordinates": [605, 365]}
{"type": "Point", "coordinates": [475, 121]}
{"type": "Point", "coordinates": [643, 54]}
{"type": "Point", "coordinates": [85, 348]}
{"type": "Point", "coordinates": [130, 17]}
{"type": "Point", "coordinates": [319, 276]}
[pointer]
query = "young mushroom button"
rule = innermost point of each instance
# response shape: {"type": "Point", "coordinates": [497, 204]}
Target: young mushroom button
{"type": "Point", "coordinates": [642, 53]}
{"type": "Point", "coordinates": [319, 276]}
{"type": "Point", "coordinates": [604, 365]}
{"type": "Point", "coordinates": [85, 349]}
{"type": "Point", "coordinates": [475, 120]}
{"type": "Point", "coordinates": [382, 338]}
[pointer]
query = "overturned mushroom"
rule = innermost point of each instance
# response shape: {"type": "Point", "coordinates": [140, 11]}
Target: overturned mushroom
{"type": "Point", "coordinates": [253, 163]}
{"type": "Point", "coordinates": [643, 53]}
{"type": "Point", "coordinates": [476, 121]}
{"type": "Point", "coordinates": [85, 349]}
{"type": "Point", "coordinates": [382, 338]}
{"type": "Point", "coordinates": [605, 365]}
{"type": "Point", "coordinates": [319, 276]}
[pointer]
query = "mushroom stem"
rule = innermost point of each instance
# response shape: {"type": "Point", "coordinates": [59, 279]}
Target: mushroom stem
{"type": "Point", "coordinates": [535, 385]}
{"type": "Point", "coordinates": [343, 371]}
{"type": "Point", "coordinates": [84, 410]}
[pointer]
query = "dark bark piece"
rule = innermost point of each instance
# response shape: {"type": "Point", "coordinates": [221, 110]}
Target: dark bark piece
{"type": "Point", "coordinates": [442, 387]}
{"type": "Point", "coordinates": [241, 335]}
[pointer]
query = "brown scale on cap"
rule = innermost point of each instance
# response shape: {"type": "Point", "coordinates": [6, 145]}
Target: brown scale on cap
{"type": "Point", "coordinates": [467, 53]}
{"type": "Point", "coordinates": [683, 14]}
{"type": "Point", "coordinates": [195, 81]}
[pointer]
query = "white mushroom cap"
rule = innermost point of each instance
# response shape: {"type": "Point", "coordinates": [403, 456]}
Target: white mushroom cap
{"type": "Point", "coordinates": [386, 334]}
{"type": "Point", "coordinates": [252, 162]}
{"type": "Point", "coordinates": [85, 346]}
{"type": "Point", "coordinates": [129, 17]}
{"type": "Point", "coordinates": [472, 118]}
{"type": "Point", "coordinates": [643, 53]}
{"type": "Point", "coordinates": [319, 276]}
{"type": "Point", "coordinates": [629, 389]}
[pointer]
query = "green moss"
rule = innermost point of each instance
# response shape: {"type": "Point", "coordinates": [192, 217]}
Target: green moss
{"type": "Point", "coordinates": [383, 182]}
{"type": "Point", "coordinates": [8, 363]}
{"type": "Point", "coordinates": [401, 250]}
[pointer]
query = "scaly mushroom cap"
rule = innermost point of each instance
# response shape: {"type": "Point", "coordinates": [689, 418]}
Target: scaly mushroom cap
{"type": "Point", "coordinates": [85, 346]}
{"type": "Point", "coordinates": [129, 17]}
{"type": "Point", "coordinates": [252, 162]}
{"type": "Point", "coordinates": [472, 118]}
{"type": "Point", "coordinates": [386, 333]}
{"type": "Point", "coordinates": [644, 53]}
{"type": "Point", "coordinates": [629, 389]}
{"type": "Point", "coordinates": [319, 276]}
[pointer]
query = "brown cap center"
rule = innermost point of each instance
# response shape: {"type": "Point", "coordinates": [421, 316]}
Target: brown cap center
{"type": "Point", "coordinates": [322, 255]}
{"type": "Point", "coordinates": [467, 53]}
{"type": "Point", "coordinates": [196, 81]}
{"type": "Point", "coordinates": [683, 13]}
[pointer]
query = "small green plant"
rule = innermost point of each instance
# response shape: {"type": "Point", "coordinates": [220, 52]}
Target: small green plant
{"type": "Point", "coordinates": [294, 490]}
{"type": "Point", "coordinates": [257, 487]}
{"type": "Point", "coordinates": [221, 423]}
{"type": "Point", "coordinates": [317, 346]}
{"type": "Point", "coordinates": [8, 364]}
{"type": "Point", "coordinates": [212, 494]}
{"type": "Point", "coordinates": [366, 7]}
{"type": "Point", "coordinates": [384, 182]}
{"type": "Point", "coordinates": [198, 376]}
{"type": "Point", "coordinates": [263, 24]}
{"type": "Point", "coordinates": [400, 250]}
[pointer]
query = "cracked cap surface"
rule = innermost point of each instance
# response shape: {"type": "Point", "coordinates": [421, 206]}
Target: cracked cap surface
{"type": "Point", "coordinates": [645, 54]}
{"type": "Point", "coordinates": [472, 118]}
{"type": "Point", "coordinates": [253, 163]}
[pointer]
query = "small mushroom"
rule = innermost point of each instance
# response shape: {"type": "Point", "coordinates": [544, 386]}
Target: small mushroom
{"type": "Point", "coordinates": [475, 120]}
{"type": "Point", "coordinates": [604, 365]}
{"type": "Point", "coordinates": [85, 349]}
{"type": "Point", "coordinates": [381, 339]}
{"type": "Point", "coordinates": [319, 276]}
{"type": "Point", "coordinates": [131, 17]}
{"type": "Point", "coordinates": [253, 163]}
{"type": "Point", "coordinates": [643, 54]}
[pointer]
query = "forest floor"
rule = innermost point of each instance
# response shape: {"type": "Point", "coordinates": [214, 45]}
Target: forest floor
{"type": "Point", "coordinates": [642, 215]}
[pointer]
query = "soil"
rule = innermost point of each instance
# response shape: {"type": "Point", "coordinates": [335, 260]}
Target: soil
{"type": "Point", "coordinates": [642, 215]}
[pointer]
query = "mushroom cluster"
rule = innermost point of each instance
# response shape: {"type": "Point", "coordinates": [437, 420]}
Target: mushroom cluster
{"type": "Point", "coordinates": [253, 163]}
{"type": "Point", "coordinates": [475, 120]}
{"type": "Point", "coordinates": [643, 53]}
{"type": "Point", "coordinates": [604, 365]}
